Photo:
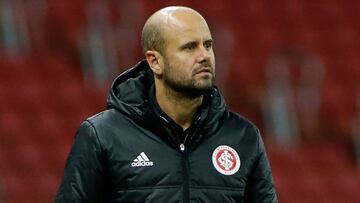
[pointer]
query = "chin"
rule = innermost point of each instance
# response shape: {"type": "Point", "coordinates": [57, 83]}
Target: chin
{"type": "Point", "coordinates": [208, 84]}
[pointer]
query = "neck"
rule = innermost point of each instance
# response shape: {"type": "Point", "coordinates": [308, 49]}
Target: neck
{"type": "Point", "coordinates": [177, 106]}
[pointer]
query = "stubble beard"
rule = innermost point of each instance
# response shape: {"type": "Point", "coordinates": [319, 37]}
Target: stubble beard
{"type": "Point", "coordinates": [189, 88]}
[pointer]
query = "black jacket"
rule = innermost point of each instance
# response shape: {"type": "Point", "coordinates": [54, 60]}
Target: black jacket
{"type": "Point", "coordinates": [132, 152]}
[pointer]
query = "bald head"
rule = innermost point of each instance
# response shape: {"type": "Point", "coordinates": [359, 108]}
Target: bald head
{"type": "Point", "coordinates": [155, 29]}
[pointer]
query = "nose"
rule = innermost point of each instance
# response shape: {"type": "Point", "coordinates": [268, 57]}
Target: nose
{"type": "Point", "coordinates": [204, 55]}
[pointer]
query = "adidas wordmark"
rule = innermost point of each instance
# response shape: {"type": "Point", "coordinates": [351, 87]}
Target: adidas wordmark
{"type": "Point", "coordinates": [142, 160]}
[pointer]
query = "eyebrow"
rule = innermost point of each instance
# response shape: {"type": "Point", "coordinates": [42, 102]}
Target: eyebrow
{"type": "Point", "coordinates": [189, 44]}
{"type": "Point", "coordinates": [195, 43]}
{"type": "Point", "coordinates": [209, 41]}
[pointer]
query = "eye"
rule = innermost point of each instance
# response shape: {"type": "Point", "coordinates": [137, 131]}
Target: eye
{"type": "Point", "coordinates": [189, 46]}
{"type": "Point", "coordinates": [208, 44]}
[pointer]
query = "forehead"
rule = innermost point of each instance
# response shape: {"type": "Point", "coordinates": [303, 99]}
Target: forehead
{"type": "Point", "coordinates": [186, 26]}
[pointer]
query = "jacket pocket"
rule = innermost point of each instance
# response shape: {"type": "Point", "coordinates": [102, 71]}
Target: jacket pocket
{"type": "Point", "coordinates": [215, 194]}
{"type": "Point", "coordinates": [151, 194]}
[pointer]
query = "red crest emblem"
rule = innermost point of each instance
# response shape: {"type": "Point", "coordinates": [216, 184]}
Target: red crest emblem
{"type": "Point", "coordinates": [226, 160]}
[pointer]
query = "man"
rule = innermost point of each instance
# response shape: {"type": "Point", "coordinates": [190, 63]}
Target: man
{"type": "Point", "coordinates": [167, 135]}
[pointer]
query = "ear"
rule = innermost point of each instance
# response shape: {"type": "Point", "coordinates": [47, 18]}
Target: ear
{"type": "Point", "coordinates": [155, 62]}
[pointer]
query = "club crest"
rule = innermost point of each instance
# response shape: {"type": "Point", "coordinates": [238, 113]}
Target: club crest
{"type": "Point", "coordinates": [226, 160]}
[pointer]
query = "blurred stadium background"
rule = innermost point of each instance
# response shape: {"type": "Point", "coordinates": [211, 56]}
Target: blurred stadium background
{"type": "Point", "coordinates": [291, 66]}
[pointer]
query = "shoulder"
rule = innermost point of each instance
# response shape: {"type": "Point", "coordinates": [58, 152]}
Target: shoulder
{"type": "Point", "coordinates": [106, 118]}
{"type": "Point", "coordinates": [107, 123]}
{"type": "Point", "coordinates": [244, 130]}
{"type": "Point", "coordinates": [242, 122]}
{"type": "Point", "coordinates": [100, 129]}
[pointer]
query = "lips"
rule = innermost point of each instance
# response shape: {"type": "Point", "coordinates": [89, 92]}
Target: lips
{"type": "Point", "coordinates": [204, 70]}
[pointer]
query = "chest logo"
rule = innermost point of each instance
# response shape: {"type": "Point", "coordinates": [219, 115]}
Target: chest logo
{"type": "Point", "coordinates": [226, 160]}
{"type": "Point", "coordinates": [142, 160]}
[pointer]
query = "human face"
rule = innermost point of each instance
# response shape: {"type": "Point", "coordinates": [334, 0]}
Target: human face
{"type": "Point", "coordinates": [189, 61]}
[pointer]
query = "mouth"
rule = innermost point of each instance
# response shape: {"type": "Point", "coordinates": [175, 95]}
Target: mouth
{"type": "Point", "coordinates": [204, 70]}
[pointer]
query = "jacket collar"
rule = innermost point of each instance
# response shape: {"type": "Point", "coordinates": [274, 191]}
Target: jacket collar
{"type": "Point", "coordinates": [131, 92]}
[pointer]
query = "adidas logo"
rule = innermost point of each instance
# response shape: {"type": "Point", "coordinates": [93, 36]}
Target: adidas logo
{"type": "Point", "coordinates": [142, 160]}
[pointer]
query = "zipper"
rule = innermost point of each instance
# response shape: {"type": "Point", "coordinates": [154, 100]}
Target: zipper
{"type": "Point", "coordinates": [185, 165]}
{"type": "Point", "coordinates": [182, 147]}
{"type": "Point", "coordinates": [186, 175]}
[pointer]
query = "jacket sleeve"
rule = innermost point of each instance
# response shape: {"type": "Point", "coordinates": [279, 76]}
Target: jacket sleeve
{"type": "Point", "coordinates": [83, 179]}
{"type": "Point", "coordinates": [260, 187]}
